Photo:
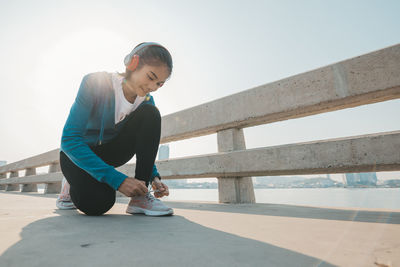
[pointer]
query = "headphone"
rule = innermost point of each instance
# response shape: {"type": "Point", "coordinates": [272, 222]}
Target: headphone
{"type": "Point", "coordinates": [131, 60]}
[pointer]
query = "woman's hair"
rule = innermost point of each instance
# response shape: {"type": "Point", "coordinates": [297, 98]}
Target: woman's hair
{"type": "Point", "coordinates": [151, 55]}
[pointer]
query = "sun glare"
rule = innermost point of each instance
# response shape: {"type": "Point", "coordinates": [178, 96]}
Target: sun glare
{"type": "Point", "coordinates": [61, 66]}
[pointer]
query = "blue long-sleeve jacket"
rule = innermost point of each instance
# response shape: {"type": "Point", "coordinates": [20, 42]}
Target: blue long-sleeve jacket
{"type": "Point", "coordinates": [91, 122]}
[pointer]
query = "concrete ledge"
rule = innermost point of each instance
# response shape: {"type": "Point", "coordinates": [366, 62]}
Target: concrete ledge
{"type": "Point", "coordinates": [364, 153]}
{"type": "Point", "coordinates": [35, 179]}
{"type": "Point", "coordinates": [40, 160]}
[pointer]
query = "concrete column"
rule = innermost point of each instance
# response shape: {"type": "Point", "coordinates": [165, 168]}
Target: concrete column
{"type": "Point", "coordinates": [29, 187]}
{"type": "Point", "coordinates": [53, 188]}
{"type": "Point", "coordinates": [234, 189]}
{"type": "Point", "coordinates": [3, 176]}
{"type": "Point", "coordinates": [13, 187]}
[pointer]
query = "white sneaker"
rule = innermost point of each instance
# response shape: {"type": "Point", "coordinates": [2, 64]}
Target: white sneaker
{"type": "Point", "coordinates": [64, 201]}
{"type": "Point", "coordinates": [149, 205]}
{"type": "Point", "coordinates": [65, 204]}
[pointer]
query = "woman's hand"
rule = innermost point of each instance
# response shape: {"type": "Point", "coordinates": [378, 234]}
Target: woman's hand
{"type": "Point", "coordinates": [131, 187]}
{"type": "Point", "coordinates": [161, 187]}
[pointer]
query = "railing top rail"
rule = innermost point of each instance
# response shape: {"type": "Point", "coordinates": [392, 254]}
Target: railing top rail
{"type": "Point", "coordinates": [40, 160]}
{"type": "Point", "coordinates": [361, 80]}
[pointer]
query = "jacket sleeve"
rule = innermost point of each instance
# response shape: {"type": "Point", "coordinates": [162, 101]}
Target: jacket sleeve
{"type": "Point", "coordinates": [72, 141]}
{"type": "Point", "coordinates": [155, 171]}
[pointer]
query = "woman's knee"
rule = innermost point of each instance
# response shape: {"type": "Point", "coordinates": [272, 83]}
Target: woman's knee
{"type": "Point", "coordinates": [92, 205]}
{"type": "Point", "coordinates": [151, 111]}
{"type": "Point", "coordinates": [96, 209]}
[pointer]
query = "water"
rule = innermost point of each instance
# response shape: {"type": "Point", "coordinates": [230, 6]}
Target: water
{"type": "Point", "coordinates": [381, 198]}
{"type": "Point", "coordinates": [384, 198]}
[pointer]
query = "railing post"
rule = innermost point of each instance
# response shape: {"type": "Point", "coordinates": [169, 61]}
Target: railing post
{"type": "Point", "coordinates": [13, 187]}
{"type": "Point", "coordinates": [53, 188]}
{"type": "Point", "coordinates": [234, 189]}
{"type": "Point", "coordinates": [2, 176]}
{"type": "Point", "coordinates": [29, 187]}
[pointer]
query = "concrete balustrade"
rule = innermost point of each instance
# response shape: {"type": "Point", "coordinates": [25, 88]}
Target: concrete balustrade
{"type": "Point", "coordinates": [361, 80]}
{"type": "Point", "coordinates": [365, 79]}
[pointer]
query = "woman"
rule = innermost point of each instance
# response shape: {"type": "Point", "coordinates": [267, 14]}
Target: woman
{"type": "Point", "coordinates": [113, 118]}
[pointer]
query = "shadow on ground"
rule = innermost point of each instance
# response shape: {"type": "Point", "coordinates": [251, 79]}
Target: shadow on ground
{"type": "Point", "coordinates": [138, 240]}
{"type": "Point", "coordinates": [308, 212]}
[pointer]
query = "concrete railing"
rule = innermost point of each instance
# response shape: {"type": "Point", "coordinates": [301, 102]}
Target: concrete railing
{"type": "Point", "coordinates": [365, 79]}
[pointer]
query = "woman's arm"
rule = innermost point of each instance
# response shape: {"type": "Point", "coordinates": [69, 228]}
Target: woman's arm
{"type": "Point", "coordinates": [72, 142]}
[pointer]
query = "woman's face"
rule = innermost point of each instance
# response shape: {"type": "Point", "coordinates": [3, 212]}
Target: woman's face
{"type": "Point", "coordinates": [147, 79]}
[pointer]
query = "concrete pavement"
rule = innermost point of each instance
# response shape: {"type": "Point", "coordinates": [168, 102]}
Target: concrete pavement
{"type": "Point", "coordinates": [33, 232]}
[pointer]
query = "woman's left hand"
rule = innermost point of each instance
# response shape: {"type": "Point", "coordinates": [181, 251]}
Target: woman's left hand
{"type": "Point", "coordinates": [161, 187]}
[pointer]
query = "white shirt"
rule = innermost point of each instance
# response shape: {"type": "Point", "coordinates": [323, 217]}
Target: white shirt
{"type": "Point", "coordinates": [122, 106]}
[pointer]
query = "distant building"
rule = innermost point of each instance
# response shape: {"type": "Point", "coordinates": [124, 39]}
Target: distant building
{"type": "Point", "coordinates": [163, 152]}
{"type": "Point", "coordinates": [364, 178]}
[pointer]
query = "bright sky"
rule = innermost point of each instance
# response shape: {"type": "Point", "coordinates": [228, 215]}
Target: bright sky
{"type": "Point", "coordinates": [218, 48]}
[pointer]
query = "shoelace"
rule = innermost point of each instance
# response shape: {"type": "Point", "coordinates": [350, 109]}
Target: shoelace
{"type": "Point", "coordinates": [64, 196]}
{"type": "Point", "coordinates": [151, 190]}
{"type": "Point", "coordinates": [150, 196]}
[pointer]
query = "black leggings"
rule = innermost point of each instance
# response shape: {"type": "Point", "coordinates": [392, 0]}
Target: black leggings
{"type": "Point", "coordinates": [141, 135]}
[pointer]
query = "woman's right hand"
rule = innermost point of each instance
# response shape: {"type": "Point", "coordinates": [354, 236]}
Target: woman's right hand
{"type": "Point", "coordinates": [132, 187]}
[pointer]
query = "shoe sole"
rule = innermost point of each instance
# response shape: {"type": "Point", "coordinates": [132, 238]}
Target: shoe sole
{"type": "Point", "coordinates": [65, 206]}
{"type": "Point", "coordinates": [137, 210]}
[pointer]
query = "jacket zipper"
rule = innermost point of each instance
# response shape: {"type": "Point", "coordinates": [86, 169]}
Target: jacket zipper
{"type": "Point", "coordinates": [102, 127]}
